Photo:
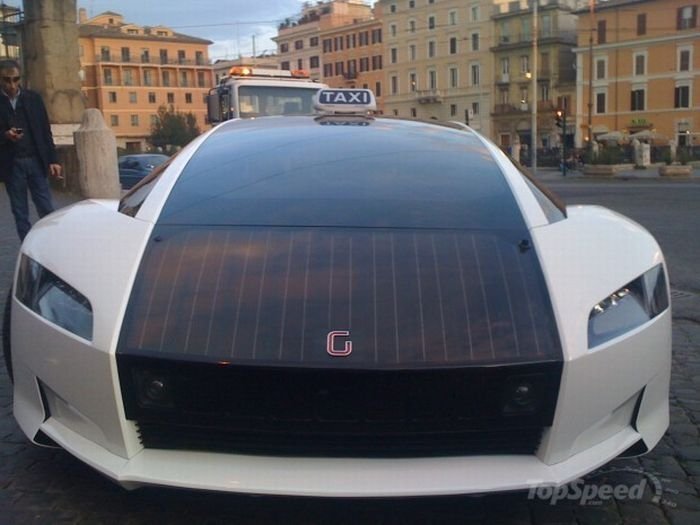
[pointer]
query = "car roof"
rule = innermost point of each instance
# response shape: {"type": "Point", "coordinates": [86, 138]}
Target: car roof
{"type": "Point", "coordinates": [342, 170]}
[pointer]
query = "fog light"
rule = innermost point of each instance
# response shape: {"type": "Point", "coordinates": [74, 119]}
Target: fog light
{"type": "Point", "coordinates": [520, 396]}
{"type": "Point", "coordinates": [154, 390]}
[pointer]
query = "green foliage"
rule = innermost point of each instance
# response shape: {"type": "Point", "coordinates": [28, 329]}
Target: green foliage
{"type": "Point", "coordinates": [173, 130]}
{"type": "Point", "coordinates": [683, 155]}
{"type": "Point", "coordinates": [609, 155]}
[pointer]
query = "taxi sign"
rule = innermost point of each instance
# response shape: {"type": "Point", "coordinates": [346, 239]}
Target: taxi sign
{"type": "Point", "coordinates": [345, 101]}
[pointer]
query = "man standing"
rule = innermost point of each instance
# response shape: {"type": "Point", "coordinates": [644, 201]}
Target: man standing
{"type": "Point", "coordinates": [27, 150]}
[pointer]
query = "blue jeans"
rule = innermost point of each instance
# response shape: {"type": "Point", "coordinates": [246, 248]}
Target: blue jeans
{"type": "Point", "coordinates": [28, 173]}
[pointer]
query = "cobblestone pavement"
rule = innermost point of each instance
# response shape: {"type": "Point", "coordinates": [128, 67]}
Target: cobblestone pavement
{"type": "Point", "coordinates": [39, 485]}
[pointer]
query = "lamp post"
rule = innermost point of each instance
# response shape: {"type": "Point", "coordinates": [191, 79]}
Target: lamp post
{"type": "Point", "coordinates": [533, 146]}
{"type": "Point", "coordinates": [561, 123]}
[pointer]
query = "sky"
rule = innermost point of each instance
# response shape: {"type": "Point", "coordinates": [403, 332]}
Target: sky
{"type": "Point", "coordinates": [230, 24]}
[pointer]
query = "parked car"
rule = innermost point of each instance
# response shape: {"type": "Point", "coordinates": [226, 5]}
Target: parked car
{"type": "Point", "coordinates": [133, 168]}
{"type": "Point", "coordinates": [340, 305]}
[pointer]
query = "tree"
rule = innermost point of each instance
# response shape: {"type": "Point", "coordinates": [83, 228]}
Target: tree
{"type": "Point", "coordinates": [173, 129]}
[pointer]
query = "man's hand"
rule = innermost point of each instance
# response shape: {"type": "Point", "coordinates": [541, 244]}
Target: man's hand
{"type": "Point", "coordinates": [55, 171]}
{"type": "Point", "coordinates": [13, 134]}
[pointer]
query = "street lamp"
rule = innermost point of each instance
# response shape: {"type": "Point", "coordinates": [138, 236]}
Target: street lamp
{"type": "Point", "coordinates": [560, 120]}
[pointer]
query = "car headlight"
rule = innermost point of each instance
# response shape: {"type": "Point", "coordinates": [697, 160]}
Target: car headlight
{"type": "Point", "coordinates": [629, 307]}
{"type": "Point", "coordinates": [53, 299]}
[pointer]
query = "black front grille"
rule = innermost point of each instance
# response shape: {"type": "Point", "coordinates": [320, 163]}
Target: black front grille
{"type": "Point", "coordinates": [178, 437]}
{"type": "Point", "coordinates": [331, 412]}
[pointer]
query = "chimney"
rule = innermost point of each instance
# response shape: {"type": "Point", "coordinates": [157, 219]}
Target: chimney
{"type": "Point", "coordinates": [82, 15]}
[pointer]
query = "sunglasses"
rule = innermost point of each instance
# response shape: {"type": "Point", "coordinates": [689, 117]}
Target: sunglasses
{"type": "Point", "coordinates": [10, 79]}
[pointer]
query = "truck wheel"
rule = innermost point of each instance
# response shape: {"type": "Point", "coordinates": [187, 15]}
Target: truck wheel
{"type": "Point", "coordinates": [6, 350]}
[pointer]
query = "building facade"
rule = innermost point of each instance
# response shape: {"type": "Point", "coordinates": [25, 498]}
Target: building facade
{"type": "Point", "coordinates": [437, 61]}
{"type": "Point", "coordinates": [298, 39]}
{"type": "Point", "coordinates": [645, 62]}
{"type": "Point", "coordinates": [352, 57]}
{"type": "Point", "coordinates": [129, 71]}
{"type": "Point", "coordinates": [513, 61]}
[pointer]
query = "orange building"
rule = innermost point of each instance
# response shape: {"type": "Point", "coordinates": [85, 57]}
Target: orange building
{"type": "Point", "coordinates": [645, 62]}
{"type": "Point", "coordinates": [129, 71]}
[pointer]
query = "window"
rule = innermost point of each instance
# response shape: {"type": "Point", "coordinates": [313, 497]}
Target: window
{"type": "Point", "coordinates": [452, 18]}
{"type": "Point", "coordinates": [412, 82]}
{"type": "Point", "coordinates": [525, 30]}
{"type": "Point", "coordinates": [686, 17]}
{"type": "Point", "coordinates": [394, 85]}
{"type": "Point", "coordinates": [476, 74]}
{"type": "Point", "coordinates": [431, 48]}
{"type": "Point", "coordinates": [505, 65]}
{"type": "Point", "coordinates": [107, 77]}
{"type": "Point", "coordinates": [642, 24]}
{"type": "Point", "coordinates": [314, 62]}
{"type": "Point", "coordinates": [412, 52]}
{"type": "Point", "coordinates": [639, 64]}
{"type": "Point", "coordinates": [147, 77]}
{"type": "Point", "coordinates": [298, 44]}
{"type": "Point", "coordinates": [200, 79]}
{"type": "Point", "coordinates": [181, 57]}
{"type": "Point", "coordinates": [431, 22]}
{"type": "Point", "coordinates": [524, 95]}
{"type": "Point", "coordinates": [637, 100]}
{"type": "Point", "coordinates": [544, 92]}
{"type": "Point", "coordinates": [313, 41]}
{"type": "Point", "coordinates": [682, 97]}
{"type": "Point", "coordinates": [454, 78]}
{"type": "Point", "coordinates": [171, 98]}
{"type": "Point", "coordinates": [184, 81]}
{"type": "Point", "coordinates": [163, 56]}
{"type": "Point", "coordinates": [199, 58]}
{"type": "Point", "coordinates": [505, 33]}
{"type": "Point", "coordinates": [475, 41]}
{"type": "Point", "coordinates": [376, 36]}
{"type": "Point", "coordinates": [352, 67]}
{"type": "Point", "coordinates": [300, 63]}
{"type": "Point", "coordinates": [105, 54]}
{"type": "Point", "coordinates": [376, 62]}
{"type": "Point", "coordinates": [475, 108]}
{"type": "Point", "coordinates": [188, 98]}
{"type": "Point", "coordinates": [112, 96]}
{"type": "Point", "coordinates": [503, 96]}
{"type": "Point", "coordinates": [328, 44]}
{"type": "Point", "coordinates": [392, 29]}
{"type": "Point", "coordinates": [151, 97]}
{"type": "Point", "coordinates": [284, 47]}
{"type": "Point", "coordinates": [684, 60]}
{"type": "Point", "coordinates": [364, 64]}
{"type": "Point", "coordinates": [544, 64]}
{"type": "Point", "coordinates": [475, 13]}
{"type": "Point", "coordinates": [166, 78]}
{"type": "Point", "coordinates": [524, 64]}
{"type": "Point", "coordinates": [133, 99]}
{"type": "Point", "coordinates": [128, 77]}
{"type": "Point", "coordinates": [392, 8]}
{"type": "Point", "coordinates": [364, 38]}
{"type": "Point", "coordinates": [432, 79]}
{"type": "Point", "coordinates": [414, 113]}
{"type": "Point", "coordinates": [601, 32]}
{"type": "Point", "coordinates": [328, 70]}
{"type": "Point", "coordinates": [411, 26]}
{"type": "Point", "coordinates": [339, 68]}
{"type": "Point", "coordinates": [600, 102]}
{"type": "Point", "coordinates": [600, 67]}
{"type": "Point", "coordinates": [285, 65]}
{"type": "Point", "coordinates": [394, 53]}
{"type": "Point", "coordinates": [546, 26]}
{"type": "Point", "coordinates": [145, 56]}
{"type": "Point", "coordinates": [134, 120]}
{"type": "Point", "coordinates": [126, 55]}
{"type": "Point", "coordinates": [338, 43]}
{"type": "Point", "coordinates": [377, 89]}
{"type": "Point", "coordinates": [453, 110]}
{"type": "Point", "coordinates": [114, 120]}
{"type": "Point", "coordinates": [453, 45]}
{"type": "Point", "coordinates": [411, 4]}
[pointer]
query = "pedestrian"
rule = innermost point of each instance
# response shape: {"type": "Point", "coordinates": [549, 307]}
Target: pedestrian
{"type": "Point", "coordinates": [27, 150]}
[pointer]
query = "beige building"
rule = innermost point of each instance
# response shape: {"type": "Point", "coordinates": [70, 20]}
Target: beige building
{"type": "Point", "coordinates": [513, 60]}
{"type": "Point", "coordinates": [129, 71]}
{"type": "Point", "coordinates": [298, 39]}
{"type": "Point", "coordinates": [9, 31]}
{"type": "Point", "coordinates": [646, 69]}
{"type": "Point", "coordinates": [437, 61]}
{"type": "Point", "coordinates": [353, 55]}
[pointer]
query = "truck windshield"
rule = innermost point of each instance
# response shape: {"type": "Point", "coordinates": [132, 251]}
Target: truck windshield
{"type": "Point", "coordinates": [264, 101]}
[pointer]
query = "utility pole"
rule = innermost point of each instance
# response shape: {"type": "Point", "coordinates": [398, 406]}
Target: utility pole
{"type": "Point", "coordinates": [533, 147]}
{"type": "Point", "coordinates": [589, 134]}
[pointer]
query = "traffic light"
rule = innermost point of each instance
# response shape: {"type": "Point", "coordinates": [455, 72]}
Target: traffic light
{"type": "Point", "coordinates": [558, 117]}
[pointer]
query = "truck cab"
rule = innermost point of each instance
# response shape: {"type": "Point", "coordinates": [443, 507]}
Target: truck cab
{"type": "Point", "coordinates": [255, 92]}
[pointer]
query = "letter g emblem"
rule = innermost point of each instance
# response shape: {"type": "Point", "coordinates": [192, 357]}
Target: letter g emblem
{"type": "Point", "coordinates": [331, 344]}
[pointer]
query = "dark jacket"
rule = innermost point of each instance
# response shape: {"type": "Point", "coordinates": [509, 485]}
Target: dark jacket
{"type": "Point", "coordinates": [38, 122]}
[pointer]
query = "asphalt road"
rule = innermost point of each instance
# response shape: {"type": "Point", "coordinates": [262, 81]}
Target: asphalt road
{"type": "Point", "coordinates": [50, 486]}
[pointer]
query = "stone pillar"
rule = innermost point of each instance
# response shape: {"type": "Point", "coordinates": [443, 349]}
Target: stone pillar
{"type": "Point", "coordinates": [96, 147]}
{"type": "Point", "coordinates": [51, 67]}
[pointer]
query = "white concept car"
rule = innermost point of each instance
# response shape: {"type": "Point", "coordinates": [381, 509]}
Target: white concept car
{"type": "Point", "coordinates": [344, 305]}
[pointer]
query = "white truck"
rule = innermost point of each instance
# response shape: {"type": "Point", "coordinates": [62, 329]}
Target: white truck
{"type": "Point", "coordinates": [256, 92]}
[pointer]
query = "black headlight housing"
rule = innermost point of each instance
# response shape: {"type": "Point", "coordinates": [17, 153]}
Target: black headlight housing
{"type": "Point", "coordinates": [52, 298]}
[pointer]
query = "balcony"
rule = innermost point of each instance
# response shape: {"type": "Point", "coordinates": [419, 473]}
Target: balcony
{"type": "Point", "coordinates": [429, 96]}
{"type": "Point", "coordinates": [504, 78]}
{"type": "Point", "coordinates": [350, 75]}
